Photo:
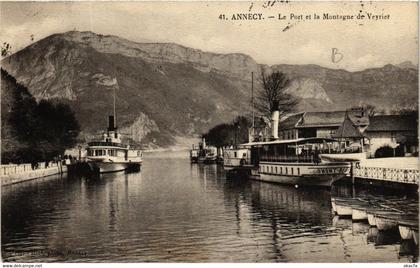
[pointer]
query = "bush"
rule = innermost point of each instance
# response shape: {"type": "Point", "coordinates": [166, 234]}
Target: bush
{"type": "Point", "coordinates": [384, 151]}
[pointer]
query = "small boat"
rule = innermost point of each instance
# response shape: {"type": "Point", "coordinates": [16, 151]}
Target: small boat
{"type": "Point", "coordinates": [371, 219]}
{"type": "Point", "coordinates": [343, 208]}
{"type": "Point", "coordinates": [416, 236]}
{"type": "Point", "coordinates": [111, 155]}
{"type": "Point", "coordinates": [372, 211]}
{"type": "Point", "coordinates": [359, 213]}
{"type": "Point", "coordinates": [388, 221]}
{"type": "Point", "coordinates": [406, 228]}
{"type": "Point", "coordinates": [384, 223]}
{"type": "Point", "coordinates": [344, 157]}
{"type": "Point", "coordinates": [234, 158]}
{"type": "Point", "coordinates": [334, 207]}
{"type": "Point", "coordinates": [194, 155]}
{"type": "Point", "coordinates": [210, 155]}
{"type": "Point", "coordinates": [340, 151]}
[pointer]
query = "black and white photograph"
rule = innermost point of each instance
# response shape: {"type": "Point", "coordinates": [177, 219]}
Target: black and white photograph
{"type": "Point", "coordinates": [209, 132]}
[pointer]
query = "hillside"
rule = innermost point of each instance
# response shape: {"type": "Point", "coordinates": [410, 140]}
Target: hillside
{"type": "Point", "coordinates": [11, 101]}
{"type": "Point", "coordinates": [167, 91]}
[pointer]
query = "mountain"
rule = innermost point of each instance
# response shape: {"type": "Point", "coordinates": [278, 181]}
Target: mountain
{"type": "Point", "coordinates": [166, 91]}
{"type": "Point", "coordinates": [408, 64]}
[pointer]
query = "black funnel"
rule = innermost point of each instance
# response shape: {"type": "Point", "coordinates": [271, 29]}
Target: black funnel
{"type": "Point", "coordinates": [111, 126]}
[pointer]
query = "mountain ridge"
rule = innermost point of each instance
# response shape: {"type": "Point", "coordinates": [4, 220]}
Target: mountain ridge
{"type": "Point", "coordinates": [166, 91]}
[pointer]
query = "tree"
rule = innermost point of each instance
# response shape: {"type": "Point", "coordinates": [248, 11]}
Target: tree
{"type": "Point", "coordinates": [57, 128]}
{"type": "Point", "coordinates": [274, 90]}
{"type": "Point", "coordinates": [33, 131]}
{"type": "Point", "coordinates": [229, 134]}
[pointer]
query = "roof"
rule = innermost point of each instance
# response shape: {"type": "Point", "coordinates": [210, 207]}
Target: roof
{"type": "Point", "coordinates": [333, 118]}
{"type": "Point", "coordinates": [392, 123]}
{"type": "Point", "coordinates": [348, 130]}
{"type": "Point", "coordinates": [290, 122]}
{"type": "Point", "coordinates": [295, 141]}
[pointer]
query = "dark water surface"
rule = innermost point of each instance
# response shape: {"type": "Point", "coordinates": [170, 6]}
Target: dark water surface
{"type": "Point", "coordinates": [173, 211]}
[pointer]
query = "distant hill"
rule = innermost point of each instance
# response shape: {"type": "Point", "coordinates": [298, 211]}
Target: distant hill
{"type": "Point", "coordinates": [166, 91]}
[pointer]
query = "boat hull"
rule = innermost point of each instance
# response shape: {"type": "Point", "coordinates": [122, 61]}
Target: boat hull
{"type": "Point", "coordinates": [371, 219]}
{"type": "Point", "coordinates": [108, 167]}
{"type": "Point", "coordinates": [324, 181]}
{"type": "Point", "coordinates": [334, 207]}
{"type": "Point", "coordinates": [359, 214]}
{"type": "Point", "coordinates": [405, 232]}
{"type": "Point", "coordinates": [344, 210]}
{"type": "Point", "coordinates": [385, 224]}
{"type": "Point", "coordinates": [210, 160]}
{"type": "Point", "coordinates": [416, 236]}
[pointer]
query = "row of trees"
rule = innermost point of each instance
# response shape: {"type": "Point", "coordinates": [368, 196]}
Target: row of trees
{"type": "Point", "coordinates": [229, 134]}
{"type": "Point", "coordinates": [37, 131]}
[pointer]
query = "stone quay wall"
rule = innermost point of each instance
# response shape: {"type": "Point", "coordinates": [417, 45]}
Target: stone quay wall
{"type": "Point", "coordinates": [10, 174]}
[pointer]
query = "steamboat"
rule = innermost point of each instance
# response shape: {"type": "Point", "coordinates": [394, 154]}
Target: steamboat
{"type": "Point", "coordinates": [294, 162]}
{"type": "Point", "coordinates": [111, 155]}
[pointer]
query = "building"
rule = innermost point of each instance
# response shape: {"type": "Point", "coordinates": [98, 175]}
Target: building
{"type": "Point", "coordinates": [399, 132]}
{"type": "Point", "coordinates": [320, 124]}
{"type": "Point", "coordinates": [355, 130]}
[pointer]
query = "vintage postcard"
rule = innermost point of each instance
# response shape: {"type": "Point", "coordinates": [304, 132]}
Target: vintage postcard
{"type": "Point", "coordinates": [209, 132]}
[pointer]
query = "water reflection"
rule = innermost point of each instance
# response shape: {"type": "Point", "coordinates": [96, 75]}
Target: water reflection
{"type": "Point", "coordinates": [173, 211]}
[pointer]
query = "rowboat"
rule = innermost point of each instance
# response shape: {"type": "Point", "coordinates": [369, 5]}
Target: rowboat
{"type": "Point", "coordinates": [359, 213]}
{"type": "Point", "coordinates": [406, 228]}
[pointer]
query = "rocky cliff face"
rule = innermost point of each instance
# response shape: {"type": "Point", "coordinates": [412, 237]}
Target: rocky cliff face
{"type": "Point", "coordinates": [235, 65]}
{"type": "Point", "coordinates": [165, 91]}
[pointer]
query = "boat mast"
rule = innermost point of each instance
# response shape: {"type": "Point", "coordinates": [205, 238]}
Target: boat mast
{"type": "Point", "coordinates": [252, 100]}
{"type": "Point", "coordinates": [115, 115]}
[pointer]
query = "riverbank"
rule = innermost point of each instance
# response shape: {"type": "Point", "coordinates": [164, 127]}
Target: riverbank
{"type": "Point", "coordinates": [11, 174]}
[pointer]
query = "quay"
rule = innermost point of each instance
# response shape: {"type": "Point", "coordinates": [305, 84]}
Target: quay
{"type": "Point", "coordinates": [400, 172]}
{"type": "Point", "coordinates": [13, 173]}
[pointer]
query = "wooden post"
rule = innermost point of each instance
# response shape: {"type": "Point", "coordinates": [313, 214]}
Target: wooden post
{"type": "Point", "coordinates": [352, 172]}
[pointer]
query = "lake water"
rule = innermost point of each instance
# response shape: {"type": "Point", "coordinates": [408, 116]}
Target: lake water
{"type": "Point", "coordinates": [174, 211]}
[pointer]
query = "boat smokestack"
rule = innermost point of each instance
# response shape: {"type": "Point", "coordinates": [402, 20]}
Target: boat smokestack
{"type": "Point", "coordinates": [275, 121]}
{"type": "Point", "coordinates": [111, 126]}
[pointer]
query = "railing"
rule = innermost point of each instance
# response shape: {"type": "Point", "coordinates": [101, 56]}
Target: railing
{"type": "Point", "coordinates": [410, 176]}
{"type": "Point", "coordinates": [22, 168]}
{"type": "Point", "coordinates": [105, 143]}
{"type": "Point", "coordinates": [304, 158]}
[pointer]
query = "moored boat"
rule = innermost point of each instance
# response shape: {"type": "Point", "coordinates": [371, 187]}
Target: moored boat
{"type": "Point", "coordinates": [344, 209]}
{"type": "Point", "coordinates": [416, 235]}
{"type": "Point", "coordinates": [194, 153]}
{"type": "Point", "coordinates": [407, 227]}
{"type": "Point", "coordinates": [343, 157]}
{"type": "Point", "coordinates": [111, 155]}
{"type": "Point", "coordinates": [333, 206]}
{"type": "Point", "coordinates": [210, 155]}
{"type": "Point", "coordinates": [292, 162]}
{"type": "Point", "coordinates": [387, 221]}
{"type": "Point", "coordinates": [359, 213]}
{"type": "Point", "coordinates": [371, 218]}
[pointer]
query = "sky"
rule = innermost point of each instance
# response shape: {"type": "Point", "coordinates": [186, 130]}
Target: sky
{"type": "Point", "coordinates": [357, 44]}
